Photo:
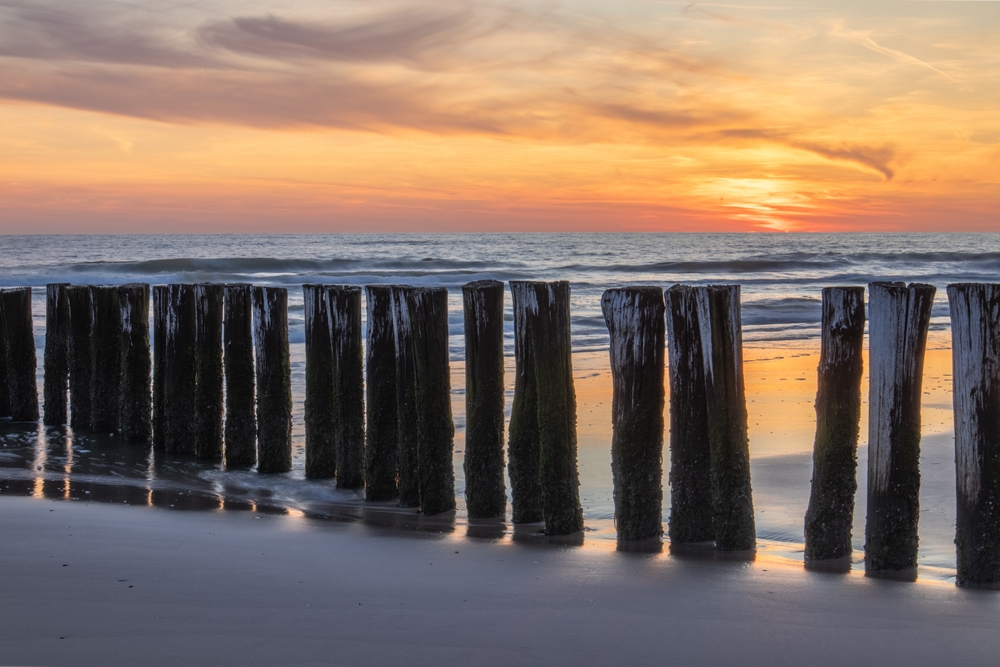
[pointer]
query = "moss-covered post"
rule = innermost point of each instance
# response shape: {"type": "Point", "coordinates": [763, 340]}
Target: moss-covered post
{"type": "Point", "coordinates": [691, 508]}
{"type": "Point", "coordinates": [81, 356]}
{"type": "Point", "coordinates": [160, 298]}
{"type": "Point", "coordinates": [348, 384]}
{"type": "Point", "coordinates": [19, 330]}
{"type": "Point", "coordinates": [899, 316]}
{"type": "Point", "coordinates": [180, 365]}
{"type": "Point", "coordinates": [975, 335]}
{"type": "Point", "coordinates": [136, 399]}
{"type": "Point", "coordinates": [274, 379]}
{"type": "Point", "coordinates": [634, 316]}
{"type": "Point", "coordinates": [381, 443]}
{"type": "Point", "coordinates": [107, 358]}
{"type": "Point", "coordinates": [838, 420]}
{"type": "Point", "coordinates": [485, 492]}
{"type": "Point", "coordinates": [523, 458]}
{"type": "Point", "coordinates": [56, 361]}
{"type": "Point", "coordinates": [321, 448]}
{"type": "Point", "coordinates": [406, 405]}
{"type": "Point", "coordinates": [719, 320]}
{"type": "Point", "coordinates": [241, 395]}
{"type": "Point", "coordinates": [209, 300]}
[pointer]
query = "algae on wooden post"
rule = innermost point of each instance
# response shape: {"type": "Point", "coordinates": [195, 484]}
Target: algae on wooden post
{"type": "Point", "coordinates": [238, 362]}
{"type": "Point", "coordinates": [321, 447]}
{"type": "Point", "coordinates": [56, 361]}
{"type": "Point", "coordinates": [180, 366]}
{"type": "Point", "coordinates": [899, 316]}
{"type": "Point", "coordinates": [634, 316]}
{"type": "Point", "coordinates": [21, 362]}
{"type": "Point", "coordinates": [81, 356]}
{"type": "Point", "coordinates": [274, 379]}
{"type": "Point", "coordinates": [722, 356]}
{"type": "Point", "coordinates": [406, 406]}
{"type": "Point", "coordinates": [838, 420]}
{"type": "Point", "coordinates": [381, 441]}
{"type": "Point", "coordinates": [209, 389]}
{"type": "Point", "coordinates": [485, 492]}
{"type": "Point", "coordinates": [107, 358]}
{"type": "Point", "coordinates": [136, 399]}
{"type": "Point", "coordinates": [523, 458]}
{"type": "Point", "coordinates": [348, 384]}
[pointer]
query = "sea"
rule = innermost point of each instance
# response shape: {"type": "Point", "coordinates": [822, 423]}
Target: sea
{"type": "Point", "coordinates": [781, 278]}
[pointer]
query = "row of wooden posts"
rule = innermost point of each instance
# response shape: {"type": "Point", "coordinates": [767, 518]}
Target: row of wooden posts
{"type": "Point", "coordinates": [221, 386]}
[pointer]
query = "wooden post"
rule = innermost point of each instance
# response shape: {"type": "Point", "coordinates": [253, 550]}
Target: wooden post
{"type": "Point", "coordinates": [838, 420]}
{"type": "Point", "coordinates": [135, 389]}
{"type": "Point", "coordinates": [106, 395]}
{"type": "Point", "coordinates": [406, 406]}
{"type": "Point", "coordinates": [180, 366]}
{"type": "Point", "coordinates": [524, 460]}
{"type": "Point", "coordinates": [899, 316]}
{"type": "Point", "coordinates": [241, 420]}
{"type": "Point", "coordinates": [81, 356]}
{"type": "Point", "coordinates": [56, 380]}
{"type": "Point", "coordinates": [485, 492]}
{"type": "Point", "coordinates": [381, 443]}
{"type": "Point", "coordinates": [21, 362]}
{"type": "Point", "coordinates": [975, 327]}
{"type": "Point", "coordinates": [546, 322]}
{"type": "Point", "coordinates": [274, 379]}
{"type": "Point", "coordinates": [160, 300]}
{"type": "Point", "coordinates": [722, 355]}
{"type": "Point", "coordinates": [635, 320]}
{"type": "Point", "coordinates": [321, 447]}
{"type": "Point", "coordinates": [209, 388]}
{"type": "Point", "coordinates": [691, 507]}
{"type": "Point", "coordinates": [348, 384]}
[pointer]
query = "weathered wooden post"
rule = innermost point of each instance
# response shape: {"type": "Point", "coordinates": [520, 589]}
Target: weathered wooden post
{"type": "Point", "coordinates": [348, 384]}
{"type": "Point", "coordinates": [274, 379]}
{"type": "Point", "coordinates": [180, 366]}
{"type": "Point", "coordinates": [546, 320]}
{"type": "Point", "coordinates": [106, 394]}
{"type": "Point", "coordinates": [381, 444]}
{"type": "Point", "coordinates": [321, 447]}
{"type": "Point", "coordinates": [134, 410]}
{"type": "Point", "coordinates": [241, 420]}
{"type": "Point", "coordinates": [635, 320]}
{"type": "Point", "coordinates": [524, 459]}
{"type": "Point", "coordinates": [406, 405]}
{"type": "Point", "coordinates": [899, 316]}
{"type": "Point", "coordinates": [975, 336]}
{"type": "Point", "coordinates": [160, 300]}
{"type": "Point", "coordinates": [838, 420]}
{"type": "Point", "coordinates": [5, 379]}
{"type": "Point", "coordinates": [81, 355]}
{"type": "Point", "coordinates": [722, 355]}
{"type": "Point", "coordinates": [691, 506]}
{"type": "Point", "coordinates": [21, 362]}
{"type": "Point", "coordinates": [209, 389]}
{"type": "Point", "coordinates": [56, 380]}
{"type": "Point", "coordinates": [485, 492]}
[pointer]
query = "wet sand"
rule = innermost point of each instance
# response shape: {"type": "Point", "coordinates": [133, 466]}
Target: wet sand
{"type": "Point", "coordinates": [95, 584]}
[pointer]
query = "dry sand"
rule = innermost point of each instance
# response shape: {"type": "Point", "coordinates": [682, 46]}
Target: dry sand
{"type": "Point", "coordinates": [91, 584]}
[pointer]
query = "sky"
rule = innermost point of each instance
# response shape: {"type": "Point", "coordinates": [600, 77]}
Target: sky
{"type": "Point", "coordinates": [427, 115]}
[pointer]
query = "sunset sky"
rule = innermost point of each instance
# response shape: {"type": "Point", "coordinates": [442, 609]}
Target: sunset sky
{"type": "Point", "coordinates": [370, 115]}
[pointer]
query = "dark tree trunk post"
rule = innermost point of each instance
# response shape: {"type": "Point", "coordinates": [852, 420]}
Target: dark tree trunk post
{"type": "Point", "coordinates": [381, 441]}
{"type": "Point", "coordinates": [56, 380]}
{"type": "Point", "coordinates": [406, 406]}
{"type": "Point", "coordinates": [485, 492]}
{"type": "Point", "coordinates": [160, 300]}
{"type": "Point", "coordinates": [81, 356]}
{"type": "Point", "coordinates": [274, 380]}
{"type": "Point", "coordinates": [241, 396]}
{"type": "Point", "coordinates": [135, 392]}
{"type": "Point", "coordinates": [635, 320]}
{"type": "Point", "coordinates": [321, 448]}
{"type": "Point", "coordinates": [524, 459]}
{"type": "Point", "coordinates": [975, 326]}
{"type": "Point", "coordinates": [428, 308]}
{"type": "Point", "coordinates": [691, 506]}
{"type": "Point", "coordinates": [5, 379]}
{"type": "Point", "coordinates": [838, 420]}
{"type": "Point", "coordinates": [722, 354]}
{"type": "Point", "coordinates": [899, 317]}
{"type": "Point", "coordinates": [348, 385]}
{"type": "Point", "coordinates": [107, 359]}
{"type": "Point", "coordinates": [180, 365]}
{"type": "Point", "coordinates": [209, 389]}
{"type": "Point", "coordinates": [22, 364]}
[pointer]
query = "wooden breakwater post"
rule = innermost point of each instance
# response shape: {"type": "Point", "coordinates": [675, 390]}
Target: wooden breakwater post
{"type": "Point", "coordinates": [241, 396]}
{"type": "Point", "coordinates": [135, 406]}
{"type": "Point", "coordinates": [106, 392]}
{"type": "Point", "coordinates": [81, 355]}
{"type": "Point", "coordinates": [523, 457]}
{"type": "Point", "coordinates": [635, 320]}
{"type": "Point", "coordinates": [719, 321]}
{"type": "Point", "coordinates": [349, 384]}
{"type": "Point", "coordinates": [975, 327]}
{"type": "Point", "coordinates": [485, 492]}
{"type": "Point", "coordinates": [56, 356]}
{"type": "Point", "coordinates": [406, 402]}
{"type": "Point", "coordinates": [830, 514]}
{"type": "Point", "coordinates": [20, 362]}
{"type": "Point", "coordinates": [180, 369]}
{"type": "Point", "coordinates": [691, 506]}
{"type": "Point", "coordinates": [542, 320]}
{"type": "Point", "coordinates": [274, 379]}
{"type": "Point", "coordinates": [319, 412]}
{"type": "Point", "coordinates": [381, 441]}
{"type": "Point", "coordinates": [899, 316]}
{"type": "Point", "coordinates": [160, 299]}
{"type": "Point", "coordinates": [209, 301]}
